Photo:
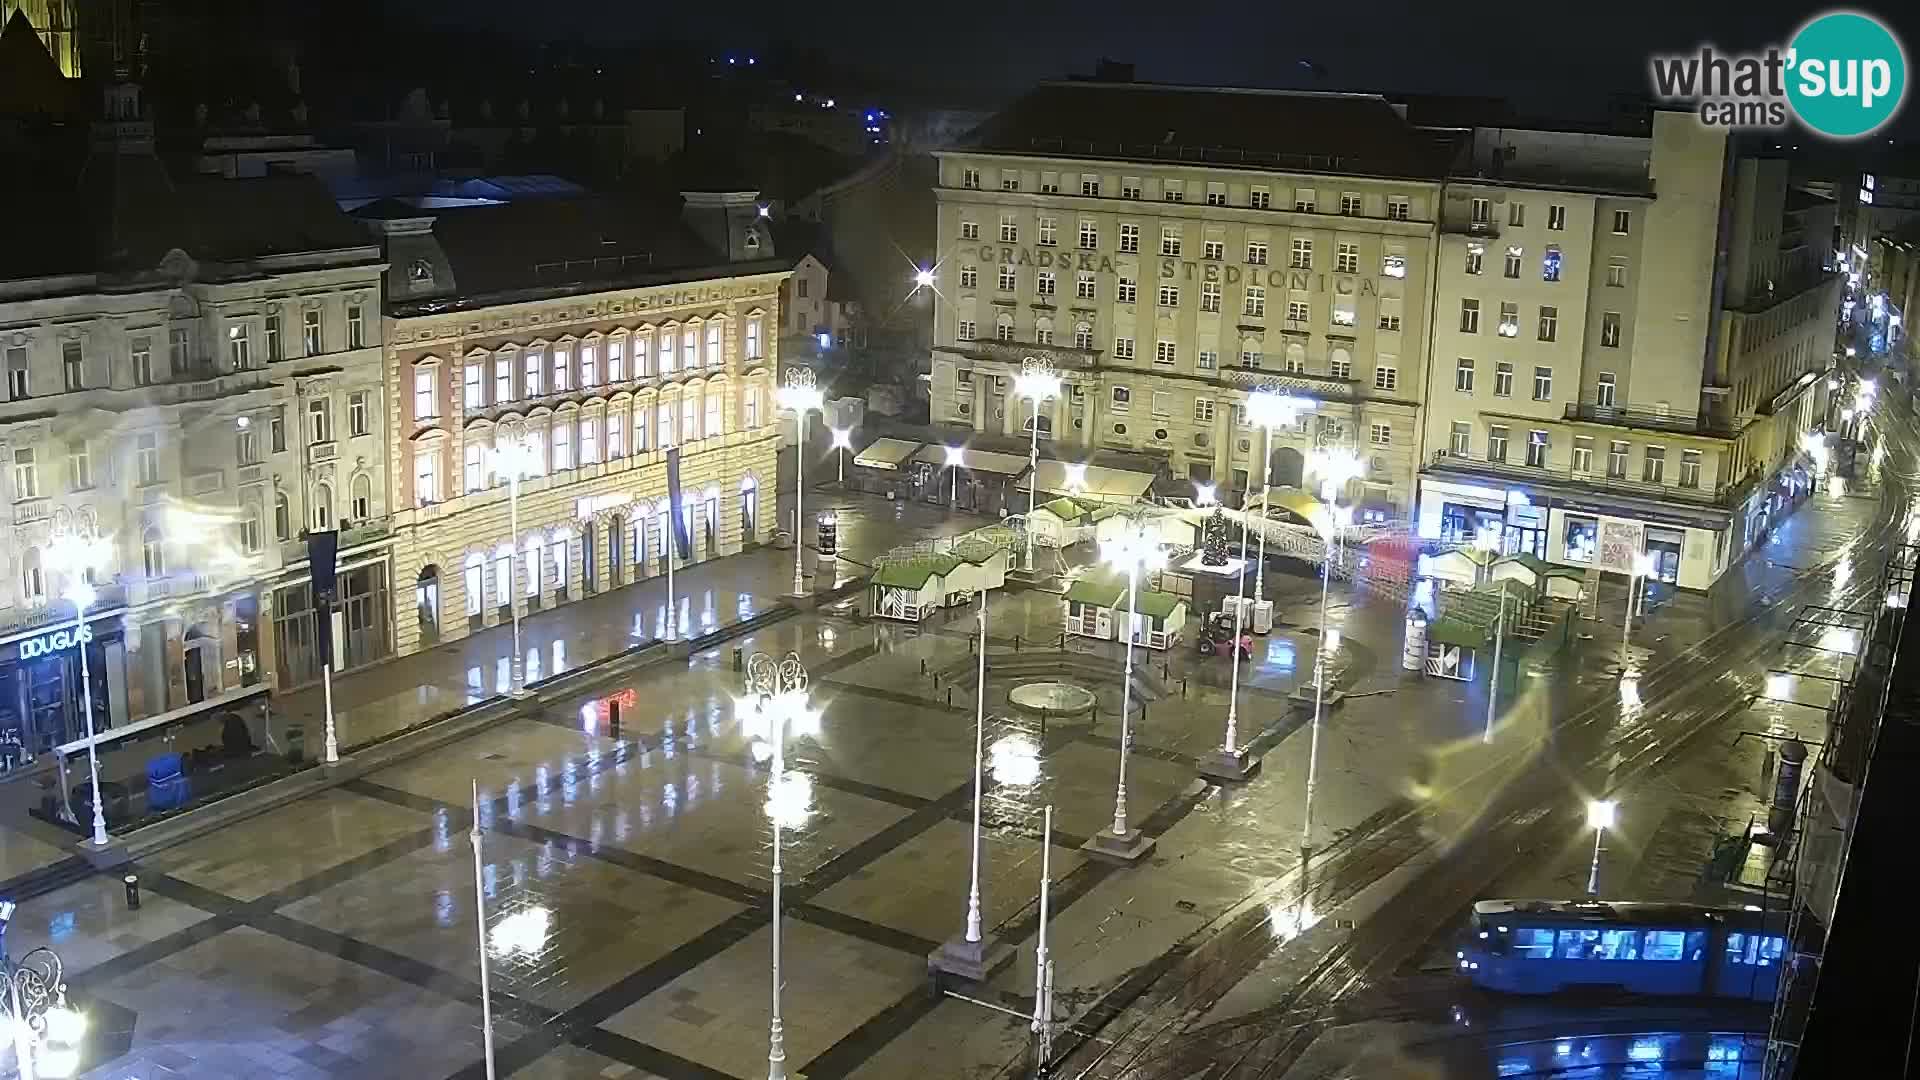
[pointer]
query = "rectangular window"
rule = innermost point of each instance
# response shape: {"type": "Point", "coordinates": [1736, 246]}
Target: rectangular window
{"type": "Point", "coordinates": [1083, 286]}
{"type": "Point", "coordinates": [1302, 257]}
{"type": "Point", "coordinates": [1537, 449]}
{"type": "Point", "coordinates": [1165, 352]}
{"type": "Point", "coordinates": [1389, 320]}
{"type": "Point", "coordinates": [1259, 198]}
{"type": "Point", "coordinates": [1003, 328]}
{"type": "Point", "coordinates": [1532, 944]}
{"type": "Point", "coordinates": [1043, 283]}
{"type": "Point", "coordinates": [1255, 302]}
{"type": "Point", "coordinates": [474, 467]}
{"type": "Point", "coordinates": [1516, 214]}
{"type": "Point", "coordinates": [1346, 258]}
{"type": "Point", "coordinates": [1549, 323]}
{"type": "Point", "coordinates": [1216, 194]}
{"type": "Point", "coordinates": [179, 344]}
{"type": "Point", "coordinates": [1257, 253]}
{"type": "Point", "coordinates": [1654, 465]}
{"type": "Point", "coordinates": [1381, 435]}
{"type": "Point", "coordinates": [1502, 379]}
{"type": "Point", "coordinates": [1617, 459]}
{"type": "Point", "coordinates": [1083, 336]}
{"type": "Point", "coordinates": [1622, 220]}
{"type": "Point", "coordinates": [426, 475]}
{"type": "Point", "coordinates": [1210, 296]}
{"type": "Point", "coordinates": [1296, 364]}
{"type": "Point", "coordinates": [1009, 278]}
{"type": "Point", "coordinates": [1089, 185]}
{"type": "Point", "coordinates": [1482, 211]}
{"type": "Point", "coordinates": [1617, 272]}
{"type": "Point", "coordinates": [502, 379]}
{"type": "Point", "coordinates": [1386, 378]}
{"type": "Point", "coordinates": [617, 353]}
{"type": "Point", "coordinates": [1583, 453]}
{"type": "Point", "coordinates": [590, 367]}
{"type": "Point", "coordinates": [1213, 250]}
{"type": "Point", "coordinates": [72, 368]}
{"type": "Point", "coordinates": [141, 349]}
{"type": "Point", "coordinates": [1173, 191]}
{"type": "Point", "coordinates": [1122, 399]}
{"type": "Point", "coordinates": [1514, 258]}
{"type": "Point", "coordinates": [1509, 319]}
{"type": "Point", "coordinates": [1129, 187]}
{"type": "Point", "coordinates": [239, 348]}
{"type": "Point", "coordinates": [1603, 390]}
{"type": "Point", "coordinates": [969, 277]}
{"type": "Point", "coordinates": [319, 420]}
{"type": "Point", "coordinates": [1207, 360]}
{"type": "Point", "coordinates": [356, 326]}
{"type": "Point", "coordinates": [1476, 256]}
{"type": "Point", "coordinates": [1009, 229]}
{"type": "Point", "coordinates": [1123, 348]}
{"type": "Point", "coordinates": [1550, 264]}
{"type": "Point", "coordinates": [1349, 204]}
{"type": "Point", "coordinates": [1399, 208]}
{"type": "Point", "coordinates": [19, 381]}
{"type": "Point", "coordinates": [275, 351]}
{"type": "Point", "coordinates": [26, 475]}
{"type": "Point", "coordinates": [1298, 311]}
{"type": "Point", "coordinates": [1469, 316]}
{"type": "Point", "coordinates": [1128, 290]}
{"type": "Point", "coordinates": [1463, 375]}
{"type": "Point", "coordinates": [1089, 235]}
{"type": "Point", "coordinates": [277, 429]}
{"type": "Point", "coordinates": [969, 230]}
{"type": "Point", "coordinates": [964, 331]}
{"type": "Point", "coordinates": [1169, 239]}
{"type": "Point", "coordinates": [590, 438]}
{"type": "Point", "coordinates": [970, 178]}
{"type": "Point", "coordinates": [562, 444]}
{"type": "Point", "coordinates": [1161, 403]}
{"type": "Point", "coordinates": [563, 370]}
{"type": "Point", "coordinates": [689, 421]}
{"type": "Point", "coordinates": [147, 459]}
{"type": "Point", "coordinates": [1556, 217]}
{"type": "Point", "coordinates": [1610, 329]}
{"type": "Point", "coordinates": [423, 395]}
{"type": "Point", "coordinates": [313, 341]}
{"type": "Point", "coordinates": [1343, 312]}
{"type": "Point", "coordinates": [640, 428]}
{"type": "Point", "coordinates": [1009, 180]}
{"type": "Point", "coordinates": [1129, 238]}
{"type": "Point", "coordinates": [79, 465]}
{"type": "Point", "coordinates": [1049, 231]}
{"type": "Point", "coordinates": [1303, 201]}
{"type": "Point", "coordinates": [1543, 384]}
{"type": "Point", "coordinates": [1689, 468]}
{"type": "Point", "coordinates": [357, 412]}
{"type": "Point", "coordinates": [1203, 410]}
{"type": "Point", "coordinates": [1496, 443]}
{"type": "Point", "coordinates": [1460, 440]}
{"type": "Point", "coordinates": [473, 390]}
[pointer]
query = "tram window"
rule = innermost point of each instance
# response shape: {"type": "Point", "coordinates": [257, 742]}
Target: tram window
{"type": "Point", "coordinates": [1666, 945]}
{"type": "Point", "coordinates": [1754, 949]}
{"type": "Point", "coordinates": [1770, 950]}
{"type": "Point", "coordinates": [1618, 945]}
{"type": "Point", "coordinates": [1736, 948]}
{"type": "Point", "coordinates": [1533, 944]}
{"type": "Point", "coordinates": [1696, 945]}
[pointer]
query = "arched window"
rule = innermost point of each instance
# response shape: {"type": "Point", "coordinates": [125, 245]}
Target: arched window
{"type": "Point", "coordinates": [362, 497]}
{"type": "Point", "coordinates": [475, 582]}
{"type": "Point", "coordinates": [33, 579]}
{"type": "Point", "coordinates": [1083, 335]}
{"type": "Point", "coordinates": [250, 529]}
{"type": "Point", "coordinates": [322, 517]}
{"type": "Point", "coordinates": [1043, 330]}
{"type": "Point", "coordinates": [282, 517]}
{"type": "Point", "coordinates": [1003, 327]}
{"type": "Point", "coordinates": [152, 555]}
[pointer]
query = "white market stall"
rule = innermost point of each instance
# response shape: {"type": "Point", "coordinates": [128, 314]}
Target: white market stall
{"type": "Point", "coordinates": [913, 587]}
{"type": "Point", "coordinates": [1096, 607]}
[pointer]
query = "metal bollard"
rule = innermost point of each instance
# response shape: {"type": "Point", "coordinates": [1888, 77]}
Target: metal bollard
{"type": "Point", "coordinates": [949, 697]}
{"type": "Point", "coordinates": [133, 892]}
{"type": "Point", "coordinates": [739, 659]}
{"type": "Point", "coordinates": [613, 717]}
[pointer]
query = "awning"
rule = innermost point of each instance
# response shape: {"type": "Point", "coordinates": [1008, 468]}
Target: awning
{"type": "Point", "coordinates": [986, 461]}
{"type": "Point", "coordinates": [886, 453]}
{"type": "Point", "coordinates": [1299, 504]}
{"type": "Point", "coordinates": [1091, 481]}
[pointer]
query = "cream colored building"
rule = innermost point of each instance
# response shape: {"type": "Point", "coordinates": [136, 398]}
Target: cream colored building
{"type": "Point", "coordinates": [1627, 339]}
{"type": "Point", "coordinates": [598, 333]}
{"type": "Point", "coordinates": [193, 375]}
{"type": "Point", "coordinates": [1173, 249]}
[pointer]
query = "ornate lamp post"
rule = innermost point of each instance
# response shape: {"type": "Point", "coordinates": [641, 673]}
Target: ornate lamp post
{"type": "Point", "coordinates": [1036, 382]}
{"type": "Point", "coordinates": [798, 394]}
{"type": "Point", "coordinates": [46, 1032]}
{"type": "Point", "coordinates": [774, 706]}
{"type": "Point", "coordinates": [1268, 408]}
{"type": "Point", "coordinates": [77, 557]}
{"type": "Point", "coordinates": [1134, 550]}
{"type": "Point", "coordinates": [972, 956]}
{"type": "Point", "coordinates": [1232, 762]}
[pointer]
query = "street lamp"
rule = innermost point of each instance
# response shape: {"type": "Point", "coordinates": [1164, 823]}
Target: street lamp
{"type": "Point", "coordinates": [1268, 408]}
{"type": "Point", "coordinates": [1600, 818]}
{"type": "Point", "coordinates": [46, 1031]}
{"type": "Point", "coordinates": [1643, 566]}
{"type": "Point", "coordinates": [1134, 550]}
{"type": "Point", "coordinates": [776, 703]}
{"type": "Point", "coordinates": [1232, 762]}
{"type": "Point", "coordinates": [923, 278]}
{"type": "Point", "coordinates": [1036, 382]}
{"type": "Point", "coordinates": [798, 394]}
{"type": "Point", "coordinates": [514, 454]}
{"type": "Point", "coordinates": [1329, 523]}
{"type": "Point", "coordinates": [77, 557]}
{"type": "Point", "coordinates": [1336, 466]}
{"type": "Point", "coordinates": [969, 956]}
{"type": "Point", "coordinates": [842, 442]}
{"type": "Point", "coordinates": [1076, 476]}
{"type": "Point", "coordinates": [1208, 495]}
{"type": "Point", "coordinates": [956, 457]}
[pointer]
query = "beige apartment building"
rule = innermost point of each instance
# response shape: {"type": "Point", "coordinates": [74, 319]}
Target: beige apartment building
{"type": "Point", "coordinates": [596, 335]}
{"type": "Point", "coordinates": [1171, 250]}
{"type": "Point", "coordinates": [1629, 337]}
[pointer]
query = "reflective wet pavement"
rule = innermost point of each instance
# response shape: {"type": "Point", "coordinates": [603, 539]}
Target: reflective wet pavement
{"type": "Point", "coordinates": [626, 883]}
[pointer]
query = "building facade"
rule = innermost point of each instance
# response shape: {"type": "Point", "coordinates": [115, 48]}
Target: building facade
{"type": "Point", "coordinates": [195, 383]}
{"type": "Point", "coordinates": [593, 372]}
{"type": "Point", "coordinates": [1172, 250]}
{"type": "Point", "coordinates": [1627, 338]}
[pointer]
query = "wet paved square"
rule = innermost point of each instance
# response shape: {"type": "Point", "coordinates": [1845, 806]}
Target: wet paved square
{"type": "Point", "coordinates": [271, 851]}
{"type": "Point", "coordinates": [921, 885]}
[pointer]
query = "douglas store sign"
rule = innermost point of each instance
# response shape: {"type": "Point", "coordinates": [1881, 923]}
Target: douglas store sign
{"type": "Point", "coordinates": [58, 641]}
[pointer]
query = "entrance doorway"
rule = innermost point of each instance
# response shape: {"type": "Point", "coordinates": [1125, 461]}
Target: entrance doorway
{"type": "Point", "coordinates": [1287, 466]}
{"type": "Point", "coordinates": [426, 598]}
{"type": "Point", "coordinates": [202, 657]}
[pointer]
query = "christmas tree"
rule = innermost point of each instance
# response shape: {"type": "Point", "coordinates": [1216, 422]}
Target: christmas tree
{"type": "Point", "coordinates": [1213, 543]}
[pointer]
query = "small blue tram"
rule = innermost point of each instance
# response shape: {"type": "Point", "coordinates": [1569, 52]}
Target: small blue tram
{"type": "Point", "coordinates": [1551, 946]}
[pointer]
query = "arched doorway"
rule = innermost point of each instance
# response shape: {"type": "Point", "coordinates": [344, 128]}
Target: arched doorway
{"type": "Point", "coordinates": [749, 510]}
{"type": "Point", "coordinates": [201, 653]}
{"type": "Point", "coordinates": [426, 598]}
{"type": "Point", "coordinates": [1287, 467]}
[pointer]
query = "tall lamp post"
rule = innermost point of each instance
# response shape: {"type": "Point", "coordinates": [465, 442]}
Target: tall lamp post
{"type": "Point", "coordinates": [972, 956]}
{"type": "Point", "coordinates": [77, 557]}
{"type": "Point", "coordinates": [514, 456]}
{"type": "Point", "coordinates": [842, 442]}
{"type": "Point", "coordinates": [1329, 525]}
{"type": "Point", "coordinates": [45, 1030]}
{"type": "Point", "coordinates": [1336, 467]}
{"type": "Point", "coordinates": [956, 460]}
{"type": "Point", "coordinates": [1268, 408]}
{"type": "Point", "coordinates": [1642, 567]}
{"type": "Point", "coordinates": [799, 395]}
{"type": "Point", "coordinates": [1232, 762]}
{"type": "Point", "coordinates": [1134, 550]}
{"type": "Point", "coordinates": [775, 705]}
{"type": "Point", "coordinates": [1036, 382]}
{"type": "Point", "coordinates": [1600, 818]}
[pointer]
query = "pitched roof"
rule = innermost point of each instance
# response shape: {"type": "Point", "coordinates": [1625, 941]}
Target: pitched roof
{"type": "Point", "coordinates": [1359, 134]}
{"type": "Point", "coordinates": [30, 80]}
{"type": "Point", "coordinates": [1105, 588]}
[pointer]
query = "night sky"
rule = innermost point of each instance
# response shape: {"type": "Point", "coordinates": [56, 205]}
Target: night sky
{"type": "Point", "coordinates": [1558, 55]}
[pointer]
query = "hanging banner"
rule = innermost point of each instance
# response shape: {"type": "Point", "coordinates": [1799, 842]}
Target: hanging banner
{"type": "Point", "coordinates": [323, 564]}
{"type": "Point", "coordinates": [1621, 542]}
{"type": "Point", "coordinates": [683, 543]}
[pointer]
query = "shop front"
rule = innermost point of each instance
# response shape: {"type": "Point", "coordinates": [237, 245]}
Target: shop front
{"type": "Point", "coordinates": [1463, 514]}
{"type": "Point", "coordinates": [40, 686]}
{"type": "Point", "coordinates": [362, 630]}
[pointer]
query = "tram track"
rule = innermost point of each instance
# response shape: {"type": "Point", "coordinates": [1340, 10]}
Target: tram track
{"type": "Point", "coordinates": [1677, 705]}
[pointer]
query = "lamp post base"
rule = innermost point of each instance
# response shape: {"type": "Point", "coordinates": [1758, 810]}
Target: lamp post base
{"type": "Point", "coordinates": [1226, 768]}
{"type": "Point", "coordinates": [1128, 847]}
{"type": "Point", "coordinates": [971, 961]}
